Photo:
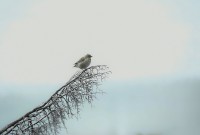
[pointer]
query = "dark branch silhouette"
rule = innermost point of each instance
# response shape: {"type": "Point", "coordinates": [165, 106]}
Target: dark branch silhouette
{"type": "Point", "coordinates": [63, 104]}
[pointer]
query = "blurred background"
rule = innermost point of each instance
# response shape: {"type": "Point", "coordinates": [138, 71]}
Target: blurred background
{"type": "Point", "coordinates": [151, 47]}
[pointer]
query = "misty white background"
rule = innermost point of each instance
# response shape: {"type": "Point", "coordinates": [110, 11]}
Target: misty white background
{"type": "Point", "coordinates": [152, 48]}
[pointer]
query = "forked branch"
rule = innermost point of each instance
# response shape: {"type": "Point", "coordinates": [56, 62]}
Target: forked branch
{"type": "Point", "coordinates": [65, 103]}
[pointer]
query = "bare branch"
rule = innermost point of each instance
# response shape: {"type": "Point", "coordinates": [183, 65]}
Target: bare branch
{"type": "Point", "coordinates": [63, 104]}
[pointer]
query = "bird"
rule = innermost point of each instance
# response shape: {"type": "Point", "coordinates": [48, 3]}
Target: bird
{"type": "Point", "coordinates": [84, 62]}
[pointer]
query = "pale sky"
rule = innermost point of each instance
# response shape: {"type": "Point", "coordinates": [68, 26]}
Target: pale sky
{"type": "Point", "coordinates": [134, 38]}
{"type": "Point", "coordinates": [151, 47]}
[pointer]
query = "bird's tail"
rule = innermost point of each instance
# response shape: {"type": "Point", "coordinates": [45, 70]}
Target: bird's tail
{"type": "Point", "coordinates": [75, 65]}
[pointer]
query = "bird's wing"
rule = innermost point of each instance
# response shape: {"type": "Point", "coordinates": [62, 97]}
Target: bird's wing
{"type": "Point", "coordinates": [81, 60]}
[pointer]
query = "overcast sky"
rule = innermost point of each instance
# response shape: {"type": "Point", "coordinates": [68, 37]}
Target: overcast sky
{"type": "Point", "coordinates": [140, 40]}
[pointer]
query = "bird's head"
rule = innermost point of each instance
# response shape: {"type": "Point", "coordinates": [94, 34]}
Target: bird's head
{"type": "Point", "coordinates": [88, 55]}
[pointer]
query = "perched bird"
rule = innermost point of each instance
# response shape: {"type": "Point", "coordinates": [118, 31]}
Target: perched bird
{"type": "Point", "coordinates": [84, 62]}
